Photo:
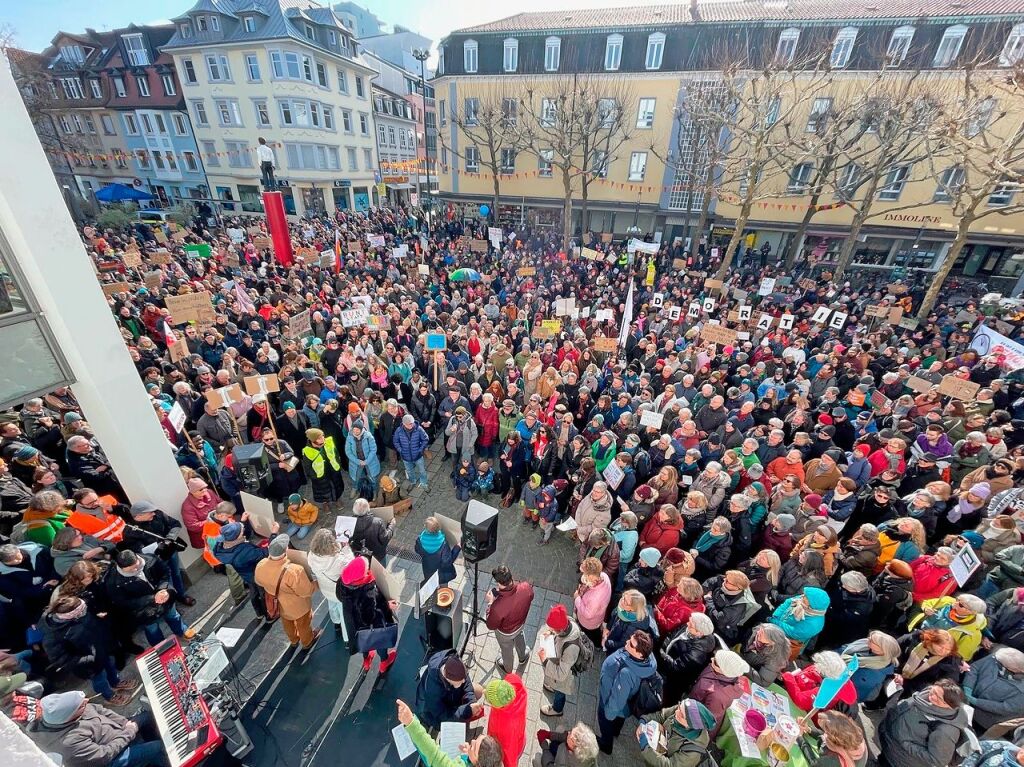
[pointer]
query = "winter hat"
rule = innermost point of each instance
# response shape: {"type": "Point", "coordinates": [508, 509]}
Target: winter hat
{"type": "Point", "coordinates": [195, 484]}
{"type": "Point", "coordinates": [558, 618]}
{"type": "Point", "coordinates": [862, 450]}
{"type": "Point", "coordinates": [560, 485]}
{"type": "Point", "coordinates": [900, 568]}
{"type": "Point", "coordinates": [72, 417]}
{"type": "Point", "coordinates": [981, 490]}
{"type": "Point", "coordinates": [644, 492]}
{"type": "Point", "coordinates": [278, 546]}
{"type": "Point", "coordinates": [60, 707]}
{"type": "Point", "coordinates": [314, 434]}
{"type": "Point", "coordinates": [675, 556]}
{"type": "Point", "coordinates": [813, 500]}
{"type": "Point", "coordinates": [650, 556]}
{"type": "Point", "coordinates": [499, 693]}
{"type": "Point", "coordinates": [353, 408]}
{"type": "Point", "coordinates": [232, 531]}
{"type": "Point", "coordinates": [25, 453]}
{"type": "Point", "coordinates": [731, 664]}
{"type": "Point", "coordinates": [974, 538]}
{"type": "Point", "coordinates": [786, 521]}
{"type": "Point", "coordinates": [356, 572]}
{"type": "Point", "coordinates": [294, 499]}
{"type": "Point", "coordinates": [454, 669]}
{"type": "Point", "coordinates": [142, 507]}
{"type": "Point", "coordinates": [696, 715]}
{"type": "Point", "coordinates": [287, 405]}
{"type": "Point", "coordinates": [1003, 522]}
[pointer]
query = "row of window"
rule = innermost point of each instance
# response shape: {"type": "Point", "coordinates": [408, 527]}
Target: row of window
{"type": "Point", "coordinates": [135, 124]}
{"type": "Point", "coordinates": [165, 160]}
{"type": "Point", "coordinates": [608, 110]}
{"type": "Point", "coordinates": [598, 163]}
{"type": "Point", "coordinates": [802, 175]}
{"type": "Point", "coordinates": [298, 156]}
{"type": "Point", "coordinates": [400, 137]}
{"type": "Point", "coordinates": [292, 113]}
{"type": "Point", "coordinates": [251, 23]}
{"type": "Point", "coordinates": [394, 106]}
{"type": "Point", "coordinates": [899, 46]}
{"type": "Point", "coordinates": [284, 65]}
{"type": "Point", "coordinates": [73, 90]}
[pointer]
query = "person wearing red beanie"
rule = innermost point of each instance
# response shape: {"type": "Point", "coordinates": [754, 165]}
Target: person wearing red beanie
{"type": "Point", "coordinates": [559, 677]}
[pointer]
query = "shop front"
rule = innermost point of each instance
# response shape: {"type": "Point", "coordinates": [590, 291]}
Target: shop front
{"type": "Point", "coordinates": [361, 198]}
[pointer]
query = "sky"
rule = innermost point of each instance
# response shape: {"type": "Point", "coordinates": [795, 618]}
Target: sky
{"type": "Point", "coordinates": [35, 22]}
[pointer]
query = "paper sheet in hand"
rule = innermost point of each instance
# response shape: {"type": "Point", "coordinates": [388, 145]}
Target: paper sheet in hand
{"type": "Point", "coordinates": [427, 589]}
{"type": "Point", "coordinates": [150, 548]}
{"type": "Point", "coordinates": [613, 475]}
{"type": "Point", "coordinates": [568, 525]}
{"type": "Point", "coordinates": [344, 526]}
{"type": "Point", "coordinates": [261, 514]}
{"type": "Point", "coordinates": [892, 688]}
{"type": "Point", "coordinates": [452, 735]}
{"type": "Point", "coordinates": [547, 644]}
{"type": "Point", "coordinates": [964, 564]}
{"type": "Point", "coordinates": [402, 741]}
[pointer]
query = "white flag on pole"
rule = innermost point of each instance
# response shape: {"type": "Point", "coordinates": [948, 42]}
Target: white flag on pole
{"type": "Point", "coordinates": [627, 316]}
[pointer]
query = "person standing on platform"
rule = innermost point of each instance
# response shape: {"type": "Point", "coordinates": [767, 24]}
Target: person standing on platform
{"type": "Point", "coordinates": [508, 605]}
{"type": "Point", "coordinates": [288, 582]}
{"type": "Point", "coordinates": [367, 609]}
{"type": "Point", "coordinates": [267, 161]}
{"type": "Point", "coordinates": [322, 467]}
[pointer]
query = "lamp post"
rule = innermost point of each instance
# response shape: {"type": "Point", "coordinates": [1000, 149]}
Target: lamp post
{"type": "Point", "coordinates": [421, 55]}
{"type": "Point", "coordinates": [635, 229]}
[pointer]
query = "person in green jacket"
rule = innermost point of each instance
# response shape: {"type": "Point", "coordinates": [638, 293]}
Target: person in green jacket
{"type": "Point", "coordinates": [685, 738]}
{"type": "Point", "coordinates": [483, 751]}
{"type": "Point", "coordinates": [47, 513]}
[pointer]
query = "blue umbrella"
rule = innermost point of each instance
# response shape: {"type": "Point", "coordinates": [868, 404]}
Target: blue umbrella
{"type": "Point", "coordinates": [120, 192]}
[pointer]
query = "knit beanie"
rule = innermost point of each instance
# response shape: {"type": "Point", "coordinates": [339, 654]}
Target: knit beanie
{"type": "Point", "coordinates": [499, 693]}
{"type": "Point", "coordinates": [558, 618]}
{"type": "Point", "coordinates": [356, 572]}
{"type": "Point", "coordinates": [786, 521]}
{"type": "Point", "coordinates": [314, 434]}
{"type": "Point", "coordinates": [278, 546]}
{"type": "Point", "coordinates": [697, 716]}
{"type": "Point", "coordinates": [813, 500]}
{"type": "Point", "coordinates": [650, 556]}
{"type": "Point", "coordinates": [59, 707]}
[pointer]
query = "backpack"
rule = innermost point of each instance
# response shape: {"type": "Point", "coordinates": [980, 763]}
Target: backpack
{"type": "Point", "coordinates": [649, 696]}
{"type": "Point", "coordinates": [586, 657]}
{"type": "Point", "coordinates": [967, 742]}
{"type": "Point", "coordinates": [365, 488]}
{"type": "Point", "coordinates": [706, 759]}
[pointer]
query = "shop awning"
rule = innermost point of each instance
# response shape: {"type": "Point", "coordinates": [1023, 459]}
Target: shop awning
{"type": "Point", "coordinates": [400, 186]}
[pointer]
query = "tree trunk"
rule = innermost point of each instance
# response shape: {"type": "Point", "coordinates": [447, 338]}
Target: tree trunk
{"type": "Point", "coordinates": [584, 200]}
{"type": "Point", "coordinates": [846, 252]}
{"type": "Point", "coordinates": [702, 222]}
{"type": "Point", "coordinates": [932, 296]}
{"type": "Point", "coordinates": [734, 241]}
{"type": "Point", "coordinates": [798, 236]}
{"type": "Point", "coordinates": [494, 204]}
{"type": "Point", "coordinates": [566, 211]}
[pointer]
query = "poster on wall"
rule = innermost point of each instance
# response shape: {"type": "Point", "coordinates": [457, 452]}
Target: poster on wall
{"type": "Point", "coordinates": [362, 201]}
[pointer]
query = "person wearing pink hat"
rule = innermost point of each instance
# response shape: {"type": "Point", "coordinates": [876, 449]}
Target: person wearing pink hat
{"type": "Point", "coordinates": [196, 508]}
{"type": "Point", "coordinates": [370, 617]}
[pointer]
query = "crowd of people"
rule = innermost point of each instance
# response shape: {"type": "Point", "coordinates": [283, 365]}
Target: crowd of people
{"type": "Point", "coordinates": [765, 482]}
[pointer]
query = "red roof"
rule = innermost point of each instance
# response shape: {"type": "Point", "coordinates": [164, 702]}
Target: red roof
{"type": "Point", "coordinates": [750, 10]}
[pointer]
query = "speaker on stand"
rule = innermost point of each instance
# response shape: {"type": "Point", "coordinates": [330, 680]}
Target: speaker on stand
{"type": "Point", "coordinates": [479, 541]}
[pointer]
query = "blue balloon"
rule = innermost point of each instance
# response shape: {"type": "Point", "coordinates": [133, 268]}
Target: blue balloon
{"type": "Point", "coordinates": [484, 210]}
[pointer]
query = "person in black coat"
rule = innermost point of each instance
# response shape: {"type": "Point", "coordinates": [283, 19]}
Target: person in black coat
{"type": "Point", "coordinates": [283, 480]}
{"type": "Point", "coordinates": [513, 462]}
{"type": "Point", "coordinates": [712, 549]}
{"type": "Point", "coordinates": [629, 615]}
{"type": "Point", "coordinates": [931, 644]}
{"type": "Point", "coordinates": [366, 609]}
{"type": "Point", "coordinates": [147, 525]}
{"type": "Point", "coordinates": [445, 693]}
{"type": "Point", "coordinates": [291, 426]}
{"type": "Point", "coordinates": [139, 590]}
{"type": "Point", "coordinates": [647, 576]}
{"type": "Point", "coordinates": [849, 611]}
{"type": "Point", "coordinates": [370, 533]}
{"type": "Point", "coordinates": [684, 655]}
{"type": "Point", "coordinates": [27, 578]}
{"type": "Point", "coordinates": [893, 589]}
{"type": "Point", "coordinates": [728, 608]}
{"type": "Point", "coordinates": [78, 642]}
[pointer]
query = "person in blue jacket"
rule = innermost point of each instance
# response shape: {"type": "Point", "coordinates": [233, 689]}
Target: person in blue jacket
{"type": "Point", "coordinates": [802, 617]}
{"type": "Point", "coordinates": [231, 548]}
{"type": "Point", "coordinates": [361, 449]}
{"type": "Point", "coordinates": [878, 658]}
{"type": "Point", "coordinates": [436, 555]}
{"type": "Point", "coordinates": [621, 675]}
{"type": "Point", "coordinates": [445, 692]}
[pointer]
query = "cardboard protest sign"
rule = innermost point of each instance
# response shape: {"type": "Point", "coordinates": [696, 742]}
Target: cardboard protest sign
{"type": "Point", "coordinates": [909, 323]}
{"type": "Point", "coordinates": [807, 284]}
{"type": "Point", "coordinates": [606, 236]}
{"type": "Point", "coordinates": [895, 315]}
{"type": "Point", "coordinates": [651, 418]}
{"type": "Point", "coordinates": [876, 311]}
{"type": "Point", "coordinates": [161, 238]}
{"type": "Point", "coordinates": [478, 246]}
{"type": "Point", "coordinates": [590, 254]}
{"type": "Point", "coordinates": [262, 242]}
{"type": "Point", "coordinates": [526, 271]}
{"type": "Point", "coordinates": [178, 351]}
{"type": "Point", "coordinates": [152, 280]}
{"type": "Point", "coordinates": [713, 284]}
{"type": "Point", "coordinates": [300, 324]}
{"type": "Point", "coordinates": [191, 307]}
{"type": "Point", "coordinates": [355, 317]}
{"type": "Point", "coordinates": [110, 288]}
{"type": "Point", "coordinates": [355, 247]}
{"type": "Point", "coordinates": [678, 263]}
{"type": "Point", "coordinates": [179, 236]}
{"type": "Point", "coordinates": [261, 384]}
{"type": "Point", "coordinates": [958, 388]}
{"type": "Point", "coordinates": [225, 396]}
{"type": "Point", "coordinates": [132, 258]}
{"type": "Point", "coordinates": [160, 258]}
{"type": "Point", "coordinates": [919, 385]}
{"type": "Point", "coordinates": [718, 334]}
{"type": "Point", "coordinates": [606, 344]}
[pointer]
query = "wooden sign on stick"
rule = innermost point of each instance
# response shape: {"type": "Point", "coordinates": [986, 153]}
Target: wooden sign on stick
{"type": "Point", "coordinates": [225, 396]}
{"type": "Point", "coordinates": [191, 307]}
{"type": "Point", "coordinates": [958, 388]}
{"type": "Point", "coordinates": [606, 344]}
{"type": "Point", "coordinates": [261, 384]}
{"type": "Point", "coordinates": [718, 334]}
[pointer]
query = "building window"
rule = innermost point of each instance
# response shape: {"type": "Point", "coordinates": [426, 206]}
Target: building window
{"type": "Point", "coordinates": [786, 49]}
{"type": "Point", "coordinates": [188, 70]}
{"type": "Point", "coordinates": [200, 23]}
{"type": "Point", "coordinates": [65, 126]}
{"type": "Point", "coordinates": [382, 135]}
{"type": "Point", "coordinates": [262, 114]}
{"type": "Point", "coordinates": [228, 113]}
{"type": "Point", "coordinates": [142, 85]}
{"type": "Point", "coordinates": [238, 154]}
{"type": "Point", "coordinates": [368, 158]}
{"type": "Point", "coordinates": [894, 182]}
{"type": "Point", "coordinates": [96, 88]}
{"type": "Point", "coordinates": [309, 32]}
{"type": "Point", "coordinates": [849, 181]}
{"type": "Point", "coordinates": [391, 135]}
{"type": "Point", "coordinates": [1003, 194]}
{"type": "Point", "coordinates": [472, 111]}
{"type": "Point", "coordinates": [312, 157]}
{"type": "Point", "coordinates": [440, 59]}
{"type": "Point", "coordinates": [328, 116]}
{"type": "Point", "coordinates": [131, 127]}
{"type": "Point", "coordinates": [819, 111]}
{"type": "Point", "coordinates": [185, 30]}
{"type": "Point", "coordinates": [72, 87]}
{"type": "Point", "coordinates": [217, 68]}
{"type": "Point", "coordinates": [1013, 51]}
{"type": "Point", "coordinates": [544, 162]}
{"type": "Point", "coordinates": [509, 112]}
{"type": "Point", "coordinates": [119, 88]}
{"type": "Point", "coordinates": [332, 38]}
{"type": "Point", "coordinates": [364, 124]}
{"type": "Point", "coordinates": [142, 158]}
{"type": "Point", "coordinates": [470, 56]}
{"type": "Point", "coordinates": [210, 150]}
{"type": "Point", "coordinates": [800, 178]}
{"type": "Point", "coordinates": [135, 47]}
{"type": "Point", "coordinates": [899, 45]}
{"type": "Point", "coordinates": [307, 69]}
{"type": "Point", "coordinates": [637, 166]}
{"type": "Point", "coordinates": [981, 117]}
{"type": "Point", "coordinates": [346, 120]}
{"type": "Point", "coordinates": [353, 164]}
{"type": "Point", "coordinates": [842, 47]}
{"type": "Point", "coordinates": [168, 84]}
{"type": "Point", "coordinates": [249, 22]}
{"type": "Point", "coordinates": [180, 125]}
{"type": "Point", "coordinates": [72, 54]}
{"type": "Point", "coordinates": [215, 23]}
{"type": "Point", "coordinates": [252, 67]}
{"type": "Point", "coordinates": [599, 163]}
{"type": "Point", "coordinates": [645, 113]}
{"type": "Point", "coordinates": [508, 161]}
{"type": "Point", "coordinates": [949, 46]}
{"type": "Point", "coordinates": [360, 88]}
{"type": "Point", "coordinates": [108, 125]}
{"type": "Point", "coordinates": [655, 51]}
{"type": "Point", "coordinates": [147, 124]}
{"type": "Point", "coordinates": [511, 58]}
{"type": "Point", "coordinates": [190, 160]}
{"type": "Point", "coordinates": [552, 54]}
{"type": "Point", "coordinates": [612, 52]}
{"type": "Point", "coordinates": [90, 126]}
{"type": "Point", "coordinates": [321, 75]}
{"type": "Point", "coordinates": [201, 117]}
{"type": "Point", "coordinates": [548, 112]}
{"type": "Point", "coordinates": [442, 110]}
{"type": "Point", "coordinates": [78, 123]}
{"type": "Point", "coordinates": [607, 112]}
{"type": "Point", "coordinates": [950, 182]}
{"type": "Point", "coordinates": [342, 80]}
{"type": "Point", "coordinates": [119, 159]}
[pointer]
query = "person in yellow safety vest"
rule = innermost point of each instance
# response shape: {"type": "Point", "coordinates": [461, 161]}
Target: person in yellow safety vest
{"type": "Point", "coordinates": [322, 467]}
{"type": "Point", "coordinates": [623, 259]}
{"type": "Point", "coordinates": [93, 516]}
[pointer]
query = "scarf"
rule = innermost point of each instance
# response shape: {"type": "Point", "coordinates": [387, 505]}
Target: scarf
{"type": "Point", "coordinates": [706, 541]}
{"type": "Point", "coordinates": [864, 655]}
{"type": "Point", "coordinates": [919, 660]}
{"type": "Point", "coordinates": [74, 615]}
{"type": "Point", "coordinates": [798, 611]}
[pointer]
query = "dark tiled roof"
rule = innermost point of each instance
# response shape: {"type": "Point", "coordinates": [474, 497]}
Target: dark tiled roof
{"type": "Point", "coordinates": [749, 10]}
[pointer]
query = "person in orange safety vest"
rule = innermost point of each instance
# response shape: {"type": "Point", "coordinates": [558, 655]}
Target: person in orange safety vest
{"type": "Point", "coordinates": [93, 516]}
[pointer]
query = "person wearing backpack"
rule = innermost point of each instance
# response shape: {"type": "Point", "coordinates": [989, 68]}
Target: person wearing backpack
{"type": "Point", "coordinates": [924, 730]}
{"type": "Point", "coordinates": [574, 653]}
{"type": "Point", "coordinates": [686, 729]}
{"type": "Point", "coordinates": [622, 674]}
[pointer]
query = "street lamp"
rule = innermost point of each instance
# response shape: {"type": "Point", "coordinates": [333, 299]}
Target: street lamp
{"type": "Point", "coordinates": [421, 55]}
{"type": "Point", "coordinates": [635, 230]}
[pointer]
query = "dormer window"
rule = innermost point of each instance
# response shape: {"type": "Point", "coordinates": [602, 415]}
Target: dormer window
{"type": "Point", "coordinates": [135, 46]}
{"type": "Point", "coordinates": [309, 31]}
{"type": "Point", "coordinates": [511, 58]}
{"type": "Point", "coordinates": [842, 47]}
{"type": "Point", "coordinates": [249, 22]}
{"type": "Point", "coordinates": [200, 23]}
{"type": "Point", "coordinates": [949, 46]}
{"type": "Point", "coordinates": [470, 56]}
{"type": "Point", "coordinates": [215, 23]}
{"type": "Point", "coordinates": [72, 54]}
{"type": "Point", "coordinates": [332, 37]}
{"type": "Point", "coordinates": [186, 31]}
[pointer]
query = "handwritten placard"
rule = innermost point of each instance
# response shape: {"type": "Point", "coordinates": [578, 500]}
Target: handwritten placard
{"type": "Point", "coordinates": [606, 344]}
{"type": "Point", "coordinates": [111, 288]}
{"type": "Point", "coordinates": [132, 258]}
{"type": "Point", "coordinates": [526, 271]}
{"type": "Point", "coordinates": [178, 351]}
{"type": "Point", "coordinates": [958, 388]}
{"type": "Point", "coordinates": [300, 325]}
{"type": "Point", "coordinates": [876, 311]}
{"type": "Point", "coordinates": [160, 258]}
{"type": "Point", "coordinates": [191, 307]}
{"type": "Point", "coordinates": [920, 385]}
{"type": "Point", "coordinates": [718, 334]}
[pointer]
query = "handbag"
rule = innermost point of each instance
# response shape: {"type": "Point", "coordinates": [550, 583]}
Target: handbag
{"type": "Point", "coordinates": [270, 601]}
{"type": "Point", "coordinates": [378, 639]}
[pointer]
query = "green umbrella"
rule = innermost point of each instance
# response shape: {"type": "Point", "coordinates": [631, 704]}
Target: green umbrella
{"type": "Point", "coordinates": [464, 275]}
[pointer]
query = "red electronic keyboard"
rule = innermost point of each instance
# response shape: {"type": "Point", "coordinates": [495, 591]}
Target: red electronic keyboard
{"type": "Point", "coordinates": [181, 715]}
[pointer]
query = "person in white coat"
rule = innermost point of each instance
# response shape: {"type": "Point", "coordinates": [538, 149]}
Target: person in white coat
{"type": "Point", "coordinates": [326, 559]}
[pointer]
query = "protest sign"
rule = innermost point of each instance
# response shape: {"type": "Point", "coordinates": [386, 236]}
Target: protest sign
{"type": "Point", "coordinates": [766, 287]}
{"type": "Point", "coordinates": [526, 271]}
{"type": "Point", "coordinates": [964, 564]}
{"type": "Point", "coordinates": [564, 306]}
{"type": "Point", "coordinates": [678, 263]}
{"type": "Point", "coordinates": [160, 257]}
{"type": "Point", "coordinates": [191, 307]}
{"type": "Point", "coordinates": [262, 242]}
{"type": "Point", "coordinates": [919, 385]}
{"type": "Point", "coordinates": [355, 246]}
{"type": "Point", "coordinates": [895, 315]}
{"type": "Point", "coordinates": [988, 341]}
{"type": "Point", "coordinates": [694, 311]}
{"type": "Point", "coordinates": [177, 417]}
{"type": "Point", "coordinates": [355, 317]}
{"type": "Point", "coordinates": [838, 320]}
{"type": "Point", "coordinates": [744, 313]}
{"type": "Point", "coordinates": [910, 323]}
{"type": "Point", "coordinates": [709, 305]}
{"type": "Point", "coordinates": [606, 236]}
{"type": "Point", "coordinates": [958, 388]}
{"type": "Point", "coordinates": [224, 396]}
{"type": "Point", "coordinates": [764, 322]}
{"type": "Point", "coordinates": [718, 334]}
{"type": "Point", "coordinates": [674, 312]}
{"type": "Point", "coordinates": [261, 384]}
{"type": "Point", "coordinates": [606, 344]}
{"type": "Point", "coordinates": [821, 315]}
{"type": "Point", "coordinates": [590, 254]}
{"type": "Point", "coordinates": [161, 238]}
{"type": "Point", "coordinates": [613, 474]}
{"type": "Point", "coordinates": [657, 300]}
{"type": "Point", "coordinates": [198, 251]}
{"type": "Point", "coordinates": [110, 288]}
{"type": "Point", "coordinates": [178, 351]}
{"type": "Point", "coordinates": [555, 326]}
{"type": "Point", "coordinates": [375, 240]}
{"type": "Point", "coordinates": [807, 284]}
{"type": "Point", "coordinates": [436, 342]}
{"type": "Point", "coordinates": [651, 418]}
{"type": "Point", "coordinates": [132, 258]}
{"type": "Point", "coordinates": [152, 280]}
{"type": "Point", "coordinates": [876, 311]}
{"type": "Point", "coordinates": [300, 325]}
{"type": "Point", "coordinates": [478, 246]}
{"type": "Point", "coordinates": [786, 321]}
{"type": "Point", "coordinates": [740, 295]}
{"type": "Point", "coordinates": [714, 284]}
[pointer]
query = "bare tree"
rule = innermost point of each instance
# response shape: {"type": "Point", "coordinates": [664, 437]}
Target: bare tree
{"type": "Point", "coordinates": [490, 134]}
{"type": "Point", "coordinates": [983, 127]}
{"type": "Point", "coordinates": [763, 98]}
{"type": "Point", "coordinates": [575, 125]}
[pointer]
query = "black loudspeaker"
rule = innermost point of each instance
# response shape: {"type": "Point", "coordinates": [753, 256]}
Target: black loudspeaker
{"type": "Point", "coordinates": [479, 531]}
{"type": "Point", "coordinates": [443, 625]}
{"type": "Point", "coordinates": [251, 464]}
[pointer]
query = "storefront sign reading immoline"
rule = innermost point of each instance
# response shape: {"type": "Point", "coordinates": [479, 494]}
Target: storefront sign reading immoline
{"type": "Point", "coordinates": [909, 218]}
